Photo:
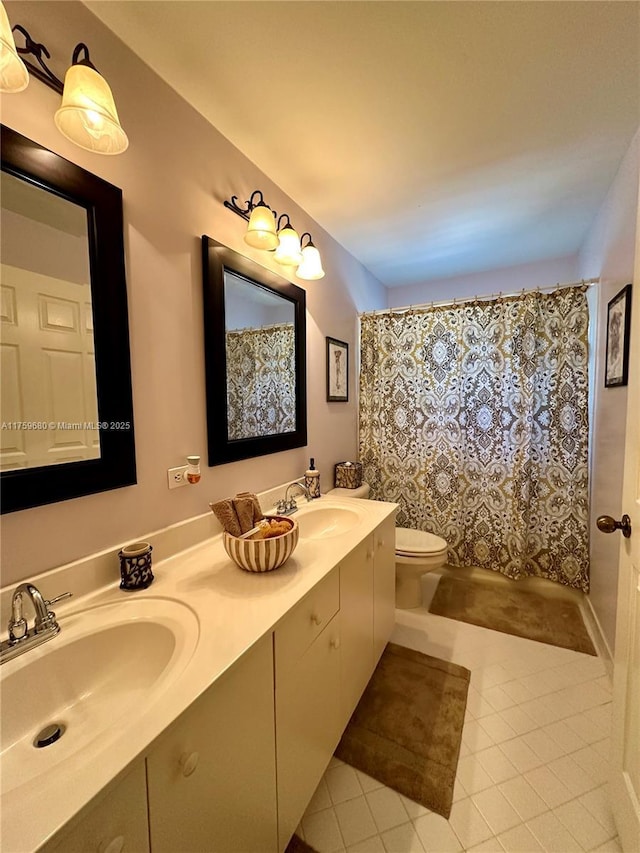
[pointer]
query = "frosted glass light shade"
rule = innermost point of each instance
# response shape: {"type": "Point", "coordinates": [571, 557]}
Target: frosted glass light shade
{"type": "Point", "coordinates": [87, 115]}
{"type": "Point", "coordinates": [288, 251]}
{"type": "Point", "coordinates": [311, 267]}
{"type": "Point", "coordinates": [261, 230]}
{"type": "Point", "coordinates": [14, 76]}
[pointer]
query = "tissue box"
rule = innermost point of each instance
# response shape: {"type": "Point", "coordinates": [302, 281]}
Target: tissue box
{"type": "Point", "coordinates": [348, 475]}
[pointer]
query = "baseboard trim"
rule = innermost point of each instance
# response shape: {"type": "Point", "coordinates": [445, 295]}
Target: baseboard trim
{"type": "Point", "coordinates": [597, 635]}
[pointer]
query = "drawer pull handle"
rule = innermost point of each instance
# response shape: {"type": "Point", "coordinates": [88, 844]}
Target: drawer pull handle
{"type": "Point", "coordinates": [381, 543]}
{"type": "Point", "coordinates": [316, 619]}
{"type": "Point", "coordinates": [188, 763]}
{"type": "Point", "coordinates": [335, 643]}
{"type": "Point", "coordinates": [116, 845]}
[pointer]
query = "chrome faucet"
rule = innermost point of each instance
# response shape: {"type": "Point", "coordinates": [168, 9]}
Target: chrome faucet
{"type": "Point", "coordinates": [21, 639]}
{"type": "Point", "coordinates": [288, 505]}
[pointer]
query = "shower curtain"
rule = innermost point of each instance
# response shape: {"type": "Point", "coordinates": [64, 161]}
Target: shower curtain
{"type": "Point", "coordinates": [261, 381]}
{"type": "Point", "coordinates": [474, 418]}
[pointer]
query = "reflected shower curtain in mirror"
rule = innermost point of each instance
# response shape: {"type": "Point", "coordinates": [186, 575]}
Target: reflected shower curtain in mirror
{"type": "Point", "coordinates": [261, 381]}
{"type": "Point", "coordinates": [474, 418]}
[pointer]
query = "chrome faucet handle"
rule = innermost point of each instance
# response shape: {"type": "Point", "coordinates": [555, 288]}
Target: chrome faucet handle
{"type": "Point", "coordinates": [61, 597]}
{"type": "Point", "coordinates": [17, 624]}
{"type": "Point", "coordinates": [50, 620]}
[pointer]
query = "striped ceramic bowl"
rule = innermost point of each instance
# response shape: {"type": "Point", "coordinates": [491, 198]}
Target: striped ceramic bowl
{"type": "Point", "coordinates": [262, 555]}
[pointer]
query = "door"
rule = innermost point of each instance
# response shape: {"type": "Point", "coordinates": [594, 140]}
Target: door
{"type": "Point", "coordinates": [625, 740]}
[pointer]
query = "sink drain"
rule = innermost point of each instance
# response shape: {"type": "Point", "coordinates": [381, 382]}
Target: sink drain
{"type": "Point", "coordinates": [49, 734]}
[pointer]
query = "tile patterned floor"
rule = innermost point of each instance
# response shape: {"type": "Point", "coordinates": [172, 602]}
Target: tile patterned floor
{"type": "Point", "coordinates": [533, 760]}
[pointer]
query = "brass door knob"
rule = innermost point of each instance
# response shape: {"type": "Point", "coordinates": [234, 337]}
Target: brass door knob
{"type": "Point", "coordinates": [607, 524]}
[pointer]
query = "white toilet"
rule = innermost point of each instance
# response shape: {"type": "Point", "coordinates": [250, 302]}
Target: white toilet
{"type": "Point", "coordinates": [417, 553]}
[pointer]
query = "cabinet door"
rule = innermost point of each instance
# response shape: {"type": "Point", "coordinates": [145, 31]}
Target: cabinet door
{"type": "Point", "coordinates": [356, 624]}
{"type": "Point", "coordinates": [309, 722]}
{"type": "Point", "coordinates": [211, 776]}
{"type": "Point", "coordinates": [116, 822]}
{"type": "Point", "coordinates": [384, 585]}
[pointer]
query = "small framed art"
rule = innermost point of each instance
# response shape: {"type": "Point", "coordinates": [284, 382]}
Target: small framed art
{"type": "Point", "coordinates": [337, 371]}
{"type": "Point", "coordinates": [618, 328]}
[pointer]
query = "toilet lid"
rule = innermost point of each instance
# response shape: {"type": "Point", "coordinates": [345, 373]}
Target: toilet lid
{"type": "Point", "coordinates": [409, 542]}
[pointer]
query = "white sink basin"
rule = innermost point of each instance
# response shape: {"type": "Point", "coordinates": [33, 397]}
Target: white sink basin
{"type": "Point", "coordinates": [92, 679]}
{"type": "Point", "coordinates": [322, 522]}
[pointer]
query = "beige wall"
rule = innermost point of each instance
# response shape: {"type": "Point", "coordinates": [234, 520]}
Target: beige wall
{"type": "Point", "coordinates": [608, 253]}
{"type": "Point", "coordinates": [174, 176]}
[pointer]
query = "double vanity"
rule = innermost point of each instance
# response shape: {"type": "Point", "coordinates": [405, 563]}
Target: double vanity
{"type": "Point", "coordinates": [200, 713]}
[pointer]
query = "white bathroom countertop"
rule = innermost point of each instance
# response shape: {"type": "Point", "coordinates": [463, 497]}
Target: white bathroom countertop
{"type": "Point", "coordinates": [233, 608]}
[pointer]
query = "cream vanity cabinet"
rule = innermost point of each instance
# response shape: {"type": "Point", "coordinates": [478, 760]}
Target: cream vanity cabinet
{"type": "Point", "coordinates": [308, 712]}
{"type": "Point", "coordinates": [211, 776]}
{"type": "Point", "coordinates": [326, 649]}
{"type": "Point", "coordinates": [113, 822]}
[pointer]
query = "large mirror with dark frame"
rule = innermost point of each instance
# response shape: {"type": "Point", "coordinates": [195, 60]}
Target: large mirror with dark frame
{"type": "Point", "coordinates": [66, 407]}
{"type": "Point", "coordinates": [255, 357]}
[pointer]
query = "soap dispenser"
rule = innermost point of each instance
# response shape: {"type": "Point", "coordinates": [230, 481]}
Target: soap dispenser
{"type": "Point", "coordinates": [312, 480]}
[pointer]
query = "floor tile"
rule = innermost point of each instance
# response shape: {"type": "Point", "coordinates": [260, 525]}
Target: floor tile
{"type": "Point", "coordinates": [320, 800]}
{"type": "Point", "coordinates": [547, 785]}
{"type": "Point", "coordinates": [386, 808]}
{"type": "Point", "coordinates": [523, 798]}
{"type": "Point", "coordinates": [402, 839]}
{"type": "Point", "coordinates": [491, 845]}
{"type": "Point", "coordinates": [519, 721]}
{"type": "Point", "coordinates": [496, 810]}
{"type": "Point", "coordinates": [368, 783]}
{"type": "Point", "coordinates": [552, 835]}
{"type": "Point", "coordinates": [355, 820]}
{"type": "Point", "coordinates": [436, 835]}
{"type": "Point", "coordinates": [371, 845]}
{"type": "Point", "coordinates": [587, 831]}
{"type": "Point", "coordinates": [521, 755]}
{"type": "Point", "coordinates": [567, 737]}
{"type": "Point", "coordinates": [597, 804]}
{"type": "Point", "coordinates": [612, 846]}
{"type": "Point", "coordinates": [321, 831]}
{"type": "Point", "coordinates": [496, 763]}
{"type": "Point", "coordinates": [575, 779]}
{"type": "Point", "coordinates": [342, 783]}
{"type": "Point", "coordinates": [473, 775]}
{"type": "Point", "coordinates": [468, 823]}
{"type": "Point", "coordinates": [475, 736]}
{"type": "Point", "coordinates": [544, 746]}
{"type": "Point", "coordinates": [520, 840]}
{"type": "Point", "coordinates": [496, 726]}
{"type": "Point", "coordinates": [497, 697]}
{"type": "Point", "coordinates": [416, 810]}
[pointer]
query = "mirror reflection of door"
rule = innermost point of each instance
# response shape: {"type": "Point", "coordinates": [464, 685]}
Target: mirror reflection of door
{"type": "Point", "coordinates": [48, 405]}
{"type": "Point", "coordinates": [260, 356]}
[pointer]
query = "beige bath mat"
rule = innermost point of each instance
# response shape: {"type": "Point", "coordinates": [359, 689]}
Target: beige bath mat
{"type": "Point", "coordinates": [521, 612]}
{"type": "Point", "coordinates": [407, 728]}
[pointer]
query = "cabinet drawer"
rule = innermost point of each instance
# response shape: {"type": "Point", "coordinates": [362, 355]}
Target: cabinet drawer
{"type": "Point", "coordinates": [306, 621]}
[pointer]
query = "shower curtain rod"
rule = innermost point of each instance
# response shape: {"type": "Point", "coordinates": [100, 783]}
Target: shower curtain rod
{"type": "Point", "coordinates": [585, 282]}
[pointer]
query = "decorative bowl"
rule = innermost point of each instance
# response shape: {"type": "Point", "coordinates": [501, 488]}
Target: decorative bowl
{"type": "Point", "coordinates": [263, 555]}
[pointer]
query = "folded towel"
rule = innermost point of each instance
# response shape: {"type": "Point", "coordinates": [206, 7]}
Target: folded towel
{"type": "Point", "coordinates": [225, 512]}
{"type": "Point", "coordinates": [247, 509]}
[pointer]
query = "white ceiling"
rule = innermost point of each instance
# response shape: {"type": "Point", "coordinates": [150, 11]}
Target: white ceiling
{"type": "Point", "coordinates": [431, 139]}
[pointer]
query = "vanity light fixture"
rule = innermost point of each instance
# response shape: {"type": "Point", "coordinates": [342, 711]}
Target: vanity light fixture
{"type": "Point", "coordinates": [14, 76]}
{"type": "Point", "coordinates": [269, 232]}
{"type": "Point", "coordinates": [311, 267]}
{"type": "Point", "coordinates": [288, 252]}
{"type": "Point", "coordinates": [87, 115]}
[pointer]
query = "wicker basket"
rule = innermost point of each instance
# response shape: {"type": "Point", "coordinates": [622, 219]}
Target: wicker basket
{"type": "Point", "coordinates": [262, 555]}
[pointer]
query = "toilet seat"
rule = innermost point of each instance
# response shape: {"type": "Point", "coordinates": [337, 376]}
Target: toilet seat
{"type": "Point", "coordinates": [418, 543]}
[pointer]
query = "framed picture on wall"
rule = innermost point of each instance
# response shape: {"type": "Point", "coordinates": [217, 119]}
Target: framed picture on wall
{"type": "Point", "coordinates": [618, 328]}
{"type": "Point", "coordinates": [337, 371]}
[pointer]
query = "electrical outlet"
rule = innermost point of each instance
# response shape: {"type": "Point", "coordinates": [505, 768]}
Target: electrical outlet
{"type": "Point", "coordinates": [176, 477]}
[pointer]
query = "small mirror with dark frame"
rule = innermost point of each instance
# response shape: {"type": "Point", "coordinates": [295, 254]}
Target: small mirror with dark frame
{"type": "Point", "coordinates": [255, 357]}
{"type": "Point", "coordinates": [67, 407]}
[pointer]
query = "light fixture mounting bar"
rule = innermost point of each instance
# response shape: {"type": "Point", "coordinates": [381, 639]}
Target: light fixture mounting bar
{"type": "Point", "coordinates": [245, 212]}
{"type": "Point", "coordinates": [43, 73]}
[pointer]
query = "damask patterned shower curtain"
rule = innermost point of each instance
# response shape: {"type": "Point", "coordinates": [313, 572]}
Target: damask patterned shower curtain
{"type": "Point", "coordinates": [474, 418]}
{"type": "Point", "coordinates": [261, 381]}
